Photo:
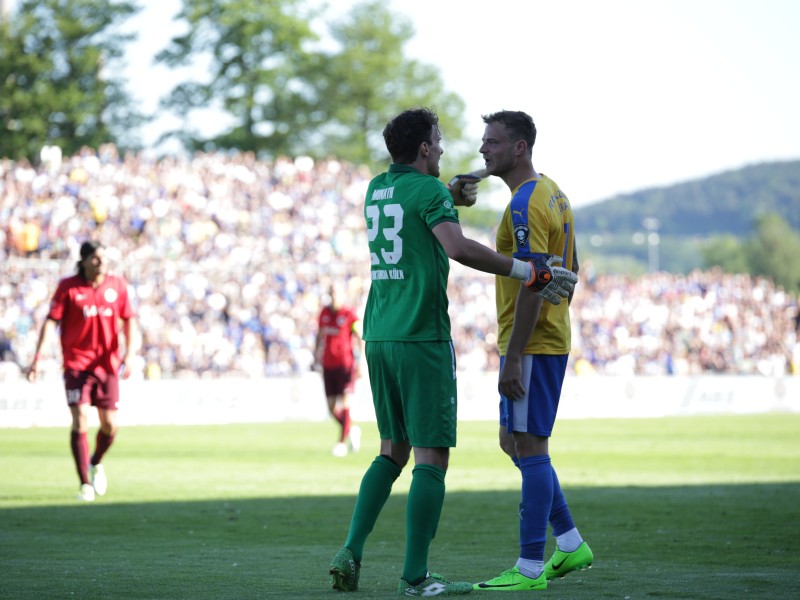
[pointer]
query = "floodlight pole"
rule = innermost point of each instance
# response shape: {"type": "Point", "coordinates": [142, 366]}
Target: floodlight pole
{"type": "Point", "coordinates": [651, 224]}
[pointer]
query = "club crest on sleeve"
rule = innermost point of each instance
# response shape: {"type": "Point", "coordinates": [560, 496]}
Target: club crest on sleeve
{"type": "Point", "coordinates": [521, 234]}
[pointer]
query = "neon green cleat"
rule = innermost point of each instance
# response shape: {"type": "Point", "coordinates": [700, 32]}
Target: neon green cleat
{"type": "Point", "coordinates": [511, 581]}
{"type": "Point", "coordinates": [562, 563]}
{"type": "Point", "coordinates": [345, 571]}
{"type": "Point", "coordinates": [434, 585]}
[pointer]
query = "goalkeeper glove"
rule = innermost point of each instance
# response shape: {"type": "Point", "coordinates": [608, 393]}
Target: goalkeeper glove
{"type": "Point", "coordinates": [550, 282]}
{"type": "Point", "coordinates": [467, 186]}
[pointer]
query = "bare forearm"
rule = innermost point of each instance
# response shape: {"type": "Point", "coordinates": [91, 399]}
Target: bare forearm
{"type": "Point", "coordinates": [526, 315]}
{"type": "Point", "coordinates": [477, 256]}
{"type": "Point", "coordinates": [47, 327]}
{"type": "Point", "coordinates": [44, 334]}
{"type": "Point", "coordinates": [131, 338]}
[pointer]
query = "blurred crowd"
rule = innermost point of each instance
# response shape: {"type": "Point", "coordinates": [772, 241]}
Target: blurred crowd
{"type": "Point", "coordinates": [229, 259]}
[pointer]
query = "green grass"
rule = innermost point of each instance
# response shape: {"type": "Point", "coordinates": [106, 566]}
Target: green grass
{"type": "Point", "coordinates": [688, 508]}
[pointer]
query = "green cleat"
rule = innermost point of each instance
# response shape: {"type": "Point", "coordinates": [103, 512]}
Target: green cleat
{"type": "Point", "coordinates": [511, 581]}
{"type": "Point", "coordinates": [345, 571]}
{"type": "Point", "coordinates": [434, 585]}
{"type": "Point", "coordinates": [562, 563]}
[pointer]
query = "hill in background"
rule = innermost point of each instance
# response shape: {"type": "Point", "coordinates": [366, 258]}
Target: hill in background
{"type": "Point", "coordinates": [615, 234]}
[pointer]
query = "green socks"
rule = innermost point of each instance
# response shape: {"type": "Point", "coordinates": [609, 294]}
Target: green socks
{"type": "Point", "coordinates": [376, 485]}
{"type": "Point", "coordinates": [425, 500]}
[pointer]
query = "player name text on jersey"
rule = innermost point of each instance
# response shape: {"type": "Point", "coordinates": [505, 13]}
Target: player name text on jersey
{"type": "Point", "coordinates": [383, 193]}
{"type": "Point", "coordinates": [388, 274]}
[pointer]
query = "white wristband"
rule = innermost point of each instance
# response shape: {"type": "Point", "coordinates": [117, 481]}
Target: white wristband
{"type": "Point", "coordinates": [521, 269]}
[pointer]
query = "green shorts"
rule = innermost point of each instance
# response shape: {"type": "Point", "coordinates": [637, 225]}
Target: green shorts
{"type": "Point", "coordinates": [414, 392]}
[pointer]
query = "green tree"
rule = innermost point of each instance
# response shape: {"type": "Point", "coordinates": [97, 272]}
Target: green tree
{"type": "Point", "coordinates": [727, 252]}
{"type": "Point", "coordinates": [286, 90]}
{"type": "Point", "coordinates": [773, 250]}
{"type": "Point", "coordinates": [368, 80]}
{"type": "Point", "coordinates": [57, 65]}
{"type": "Point", "coordinates": [256, 76]}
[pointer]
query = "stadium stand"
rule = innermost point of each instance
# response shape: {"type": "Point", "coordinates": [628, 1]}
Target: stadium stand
{"type": "Point", "coordinates": [229, 258]}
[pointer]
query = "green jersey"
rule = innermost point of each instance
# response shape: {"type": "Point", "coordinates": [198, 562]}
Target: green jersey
{"type": "Point", "coordinates": [408, 295]}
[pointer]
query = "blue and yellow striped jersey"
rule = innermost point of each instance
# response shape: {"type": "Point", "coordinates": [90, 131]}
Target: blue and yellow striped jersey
{"type": "Point", "coordinates": [538, 219]}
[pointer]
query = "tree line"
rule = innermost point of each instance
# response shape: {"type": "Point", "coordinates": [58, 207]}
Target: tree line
{"type": "Point", "coordinates": [284, 88]}
{"type": "Point", "coordinates": [743, 221]}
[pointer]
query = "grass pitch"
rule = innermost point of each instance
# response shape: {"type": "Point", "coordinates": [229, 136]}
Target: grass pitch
{"type": "Point", "coordinates": [705, 507]}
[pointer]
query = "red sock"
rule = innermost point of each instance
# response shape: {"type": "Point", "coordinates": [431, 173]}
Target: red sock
{"type": "Point", "coordinates": [80, 451]}
{"type": "Point", "coordinates": [345, 423]}
{"type": "Point", "coordinates": [102, 445]}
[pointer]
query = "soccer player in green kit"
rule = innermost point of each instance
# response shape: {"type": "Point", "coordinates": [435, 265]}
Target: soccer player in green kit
{"type": "Point", "coordinates": [413, 231]}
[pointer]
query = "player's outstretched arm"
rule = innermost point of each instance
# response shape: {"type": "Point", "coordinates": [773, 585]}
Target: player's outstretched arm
{"type": "Point", "coordinates": [470, 253]}
{"type": "Point", "coordinates": [539, 273]}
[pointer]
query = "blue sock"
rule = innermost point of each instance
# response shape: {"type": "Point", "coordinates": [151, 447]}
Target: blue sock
{"type": "Point", "coordinates": [534, 510]}
{"type": "Point", "coordinates": [560, 517]}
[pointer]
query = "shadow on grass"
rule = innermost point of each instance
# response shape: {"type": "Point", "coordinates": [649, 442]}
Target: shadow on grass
{"type": "Point", "coordinates": [719, 541]}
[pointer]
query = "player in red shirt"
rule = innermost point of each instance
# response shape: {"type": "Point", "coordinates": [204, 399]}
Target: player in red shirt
{"type": "Point", "coordinates": [89, 307]}
{"type": "Point", "coordinates": [337, 352]}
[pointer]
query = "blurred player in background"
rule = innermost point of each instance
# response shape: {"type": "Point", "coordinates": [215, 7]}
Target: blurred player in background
{"type": "Point", "coordinates": [337, 353]}
{"type": "Point", "coordinates": [413, 231]}
{"type": "Point", "coordinates": [88, 308]}
{"type": "Point", "coordinates": [534, 340]}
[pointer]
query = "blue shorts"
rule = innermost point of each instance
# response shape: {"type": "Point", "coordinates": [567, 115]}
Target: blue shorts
{"type": "Point", "coordinates": [535, 413]}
